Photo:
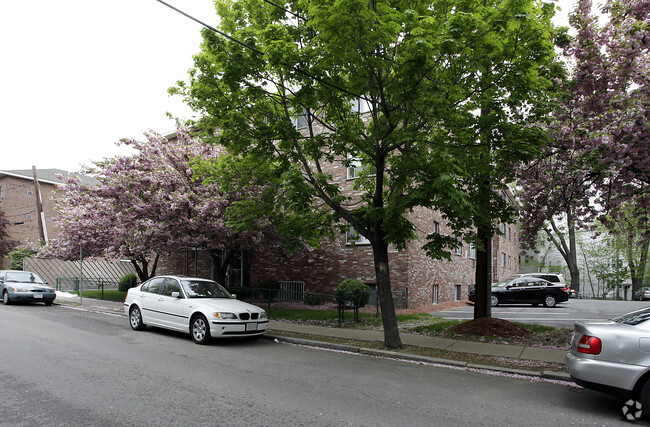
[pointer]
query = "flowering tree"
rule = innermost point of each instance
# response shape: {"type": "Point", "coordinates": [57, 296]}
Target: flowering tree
{"type": "Point", "coordinates": [154, 203]}
{"type": "Point", "coordinates": [599, 161]}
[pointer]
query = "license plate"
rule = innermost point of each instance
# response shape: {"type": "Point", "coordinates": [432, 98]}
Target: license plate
{"type": "Point", "coordinates": [251, 326]}
{"type": "Point", "coordinates": [37, 296]}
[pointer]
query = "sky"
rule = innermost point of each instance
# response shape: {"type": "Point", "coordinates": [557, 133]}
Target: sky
{"type": "Point", "coordinates": [79, 75]}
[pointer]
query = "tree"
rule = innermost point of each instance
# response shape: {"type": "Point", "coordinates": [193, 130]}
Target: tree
{"type": "Point", "coordinates": [6, 244]}
{"type": "Point", "coordinates": [385, 87]}
{"type": "Point", "coordinates": [152, 203]}
{"type": "Point", "coordinates": [596, 165]}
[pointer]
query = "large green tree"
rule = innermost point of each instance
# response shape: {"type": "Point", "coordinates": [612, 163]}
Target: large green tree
{"type": "Point", "coordinates": [416, 95]}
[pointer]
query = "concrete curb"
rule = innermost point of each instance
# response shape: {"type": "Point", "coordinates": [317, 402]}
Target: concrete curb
{"type": "Point", "coordinates": [550, 375]}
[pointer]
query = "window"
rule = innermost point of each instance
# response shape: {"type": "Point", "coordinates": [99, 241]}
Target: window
{"type": "Point", "coordinates": [434, 294]}
{"type": "Point", "coordinates": [509, 234]}
{"type": "Point", "coordinates": [355, 168]}
{"type": "Point", "coordinates": [360, 106]}
{"type": "Point", "coordinates": [472, 251]}
{"type": "Point", "coordinates": [503, 259]}
{"type": "Point", "coordinates": [458, 250]}
{"type": "Point", "coordinates": [458, 292]}
{"type": "Point", "coordinates": [300, 121]}
{"type": "Point", "coordinates": [436, 227]}
{"type": "Point", "coordinates": [352, 237]}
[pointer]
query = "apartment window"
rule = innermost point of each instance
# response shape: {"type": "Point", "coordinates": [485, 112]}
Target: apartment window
{"type": "Point", "coordinates": [300, 121]}
{"type": "Point", "coordinates": [434, 294]}
{"type": "Point", "coordinates": [352, 237]}
{"type": "Point", "coordinates": [360, 106]}
{"type": "Point", "coordinates": [503, 259]}
{"type": "Point", "coordinates": [509, 234]}
{"type": "Point", "coordinates": [458, 290]}
{"type": "Point", "coordinates": [458, 250]}
{"type": "Point", "coordinates": [355, 168]}
{"type": "Point", "coordinates": [436, 227]}
{"type": "Point", "coordinates": [472, 251]}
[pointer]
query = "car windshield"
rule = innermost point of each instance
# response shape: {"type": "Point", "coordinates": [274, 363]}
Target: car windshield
{"type": "Point", "coordinates": [204, 289]}
{"type": "Point", "coordinates": [634, 318]}
{"type": "Point", "coordinates": [504, 282]}
{"type": "Point", "coordinates": [23, 277]}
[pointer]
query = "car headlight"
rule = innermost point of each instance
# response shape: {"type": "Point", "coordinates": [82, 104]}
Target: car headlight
{"type": "Point", "coordinates": [263, 315]}
{"type": "Point", "coordinates": [225, 315]}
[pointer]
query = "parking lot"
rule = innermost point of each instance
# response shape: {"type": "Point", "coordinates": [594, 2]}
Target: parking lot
{"type": "Point", "coordinates": [561, 316]}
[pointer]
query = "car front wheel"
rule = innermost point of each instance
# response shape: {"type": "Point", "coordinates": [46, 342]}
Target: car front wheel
{"type": "Point", "coordinates": [494, 300]}
{"type": "Point", "coordinates": [5, 298]}
{"type": "Point", "coordinates": [200, 329]}
{"type": "Point", "coordinates": [549, 301]}
{"type": "Point", "coordinates": [644, 398]}
{"type": "Point", "coordinates": [135, 319]}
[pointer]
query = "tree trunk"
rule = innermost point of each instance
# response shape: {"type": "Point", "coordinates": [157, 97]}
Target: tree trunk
{"type": "Point", "coordinates": [572, 260]}
{"type": "Point", "coordinates": [220, 262]}
{"type": "Point", "coordinates": [483, 275]}
{"type": "Point", "coordinates": [392, 339]}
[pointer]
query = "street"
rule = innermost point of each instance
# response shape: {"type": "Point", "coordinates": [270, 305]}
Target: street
{"type": "Point", "coordinates": [63, 366]}
{"type": "Point", "coordinates": [561, 316]}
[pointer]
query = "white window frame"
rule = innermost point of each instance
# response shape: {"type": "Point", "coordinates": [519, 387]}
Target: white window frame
{"type": "Point", "coordinates": [300, 122]}
{"type": "Point", "coordinates": [360, 106]}
{"type": "Point", "coordinates": [436, 227]}
{"type": "Point", "coordinates": [471, 253]}
{"type": "Point", "coordinates": [458, 250]}
{"type": "Point", "coordinates": [353, 237]}
{"type": "Point", "coordinates": [503, 259]}
{"type": "Point", "coordinates": [435, 289]}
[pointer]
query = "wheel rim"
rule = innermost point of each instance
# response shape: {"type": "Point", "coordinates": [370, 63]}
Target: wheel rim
{"type": "Point", "coordinates": [5, 297]}
{"type": "Point", "coordinates": [198, 329]}
{"type": "Point", "coordinates": [549, 301]}
{"type": "Point", "coordinates": [494, 301]}
{"type": "Point", "coordinates": [135, 318]}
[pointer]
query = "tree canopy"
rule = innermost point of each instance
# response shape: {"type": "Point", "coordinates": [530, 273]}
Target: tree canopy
{"type": "Point", "coordinates": [418, 97]}
{"type": "Point", "coordinates": [153, 203]}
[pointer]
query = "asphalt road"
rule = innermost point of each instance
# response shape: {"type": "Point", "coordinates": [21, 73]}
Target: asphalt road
{"type": "Point", "coordinates": [61, 366]}
{"type": "Point", "coordinates": [564, 315]}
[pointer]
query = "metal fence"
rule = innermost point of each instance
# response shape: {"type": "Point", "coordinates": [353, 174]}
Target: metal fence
{"type": "Point", "coordinates": [71, 284]}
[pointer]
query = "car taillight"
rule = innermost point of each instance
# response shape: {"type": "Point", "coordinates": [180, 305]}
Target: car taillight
{"type": "Point", "coordinates": [589, 345]}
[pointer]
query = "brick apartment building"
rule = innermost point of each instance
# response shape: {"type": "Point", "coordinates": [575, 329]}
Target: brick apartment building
{"type": "Point", "coordinates": [20, 199]}
{"type": "Point", "coordinates": [428, 281]}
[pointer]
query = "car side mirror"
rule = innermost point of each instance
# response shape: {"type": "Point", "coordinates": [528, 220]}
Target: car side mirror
{"type": "Point", "coordinates": [176, 295]}
{"type": "Point", "coordinates": [508, 286]}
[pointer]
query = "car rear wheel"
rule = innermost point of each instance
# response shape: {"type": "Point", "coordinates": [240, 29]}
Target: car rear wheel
{"type": "Point", "coordinates": [5, 298]}
{"type": "Point", "coordinates": [549, 301]}
{"type": "Point", "coordinates": [49, 302]}
{"type": "Point", "coordinates": [135, 319]}
{"type": "Point", "coordinates": [200, 329]}
{"type": "Point", "coordinates": [494, 300]}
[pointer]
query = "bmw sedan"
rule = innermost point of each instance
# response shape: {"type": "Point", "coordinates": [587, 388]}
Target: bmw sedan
{"type": "Point", "coordinates": [200, 307]}
{"type": "Point", "coordinates": [526, 290]}
{"type": "Point", "coordinates": [24, 286]}
{"type": "Point", "coordinates": [613, 356]}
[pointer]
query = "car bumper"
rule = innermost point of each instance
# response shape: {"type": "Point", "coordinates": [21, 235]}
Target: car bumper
{"type": "Point", "coordinates": [31, 296]}
{"type": "Point", "coordinates": [613, 378]}
{"type": "Point", "coordinates": [238, 329]}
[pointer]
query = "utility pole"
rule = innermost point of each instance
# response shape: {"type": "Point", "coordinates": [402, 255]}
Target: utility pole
{"type": "Point", "coordinates": [42, 228]}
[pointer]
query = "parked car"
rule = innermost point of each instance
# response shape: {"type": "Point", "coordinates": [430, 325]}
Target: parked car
{"type": "Point", "coordinates": [24, 286]}
{"type": "Point", "coordinates": [525, 290]}
{"type": "Point", "coordinates": [613, 356]}
{"type": "Point", "coordinates": [555, 278]}
{"type": "Point", "coordinates": [641, 294]}
{"type": "Point", "coordinates": [200, 307]}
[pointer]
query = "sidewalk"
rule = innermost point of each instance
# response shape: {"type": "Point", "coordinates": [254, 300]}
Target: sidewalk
{"type": "Point", "coordinates": [277, 328]}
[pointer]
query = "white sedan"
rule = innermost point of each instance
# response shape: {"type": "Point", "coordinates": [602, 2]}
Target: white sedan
{"type": "Point", "coordinates": [200, 307]}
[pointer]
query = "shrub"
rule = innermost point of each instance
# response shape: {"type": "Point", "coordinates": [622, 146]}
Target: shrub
{"type": "Point", "coordinates": [314, 299]}
{"type": "Point", "coordinates": [241, 291]}
{"type": "Point", "coordinates": [345, 291]}
{"type": "Point", "coordinates": [127, 282]}
{"type": "Point", "coordinates": [272, 287]}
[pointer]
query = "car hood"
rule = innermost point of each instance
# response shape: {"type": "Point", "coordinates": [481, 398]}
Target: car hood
{"type": "Point", "coordinates": [224, 304]}
{"type": "Point", "coordinates": [29, 285]}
